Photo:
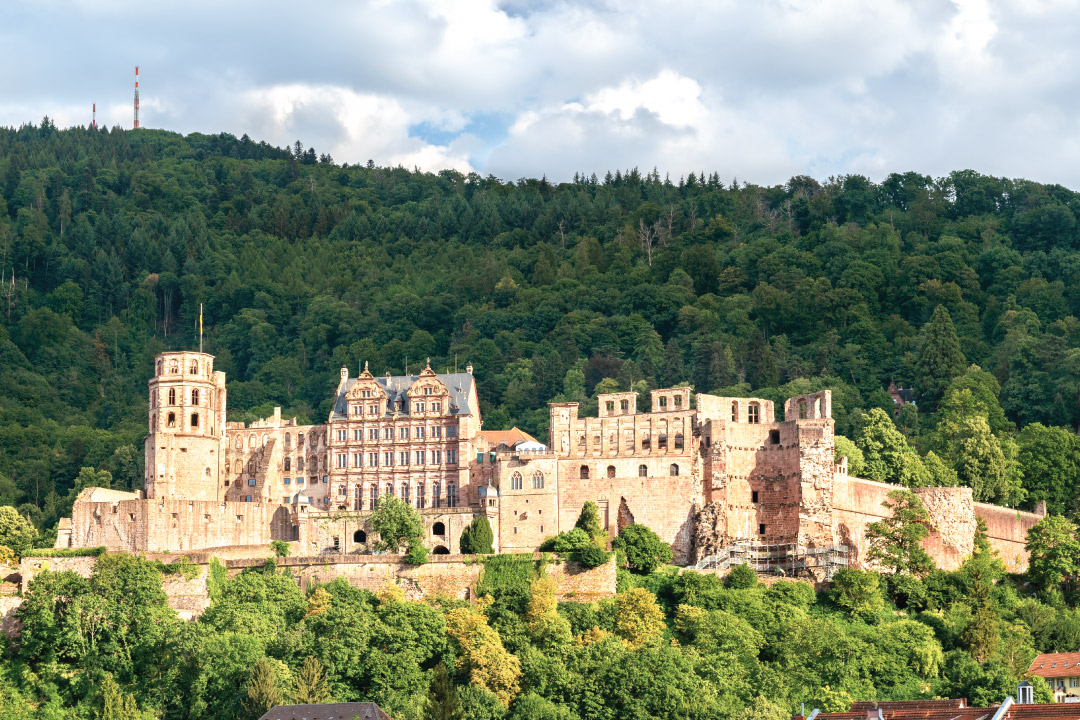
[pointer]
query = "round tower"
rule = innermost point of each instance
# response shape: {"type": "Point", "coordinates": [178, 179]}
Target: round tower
{"type": "Point", "coordinates": [187, 427]}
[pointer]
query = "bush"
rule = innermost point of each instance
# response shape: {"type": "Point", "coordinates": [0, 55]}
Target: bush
{"type": "Point", "coordinates": [741, 577]}
{"type": "Point", "coordinates": [66, 552]}
{"type": "Point", "coordinates": [589, 521]}
{"type": "Point", "coordinates": [477, 538]}
{"type": "Point", "coordinates": [907, 591]}
{"type": "Point", "coordinates": [567, 542]}
{"type": "Point", "coordinates": [280, 547]}
{"type": "Point", "coordinates": [858, 592]}
{"type": "Point", "coordinates": [592, 556]}
{"type": "Point", "coordinates": [644, 549]}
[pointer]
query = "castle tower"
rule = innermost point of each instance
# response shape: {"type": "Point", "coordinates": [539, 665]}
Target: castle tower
{"type": "Point", "coordinates": [184, 449]}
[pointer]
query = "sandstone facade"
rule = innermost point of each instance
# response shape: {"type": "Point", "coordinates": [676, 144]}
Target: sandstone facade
{"type": "Point", "coordinates": [706, 473]}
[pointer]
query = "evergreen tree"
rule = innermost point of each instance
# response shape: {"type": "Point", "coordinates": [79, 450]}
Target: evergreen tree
{"type": "Point", "coordinates": [589, 521]}
{"type": "Point", "coordinates": [674, 371]}
{"type": "Point", "coordinates": [761, 369]}
{"type": "Point", "coordinates": [311, 686]}
{"type": "Point", "coordinates": [940, 358]}
{"type": "Point", "coordinates": [443, 702]}
{"type": "Point", "coordinates": [115, 703]}
{"type": "Point", "coordinates": [263, 690]}
{"type": "Point", "coordinates": [478, 538]}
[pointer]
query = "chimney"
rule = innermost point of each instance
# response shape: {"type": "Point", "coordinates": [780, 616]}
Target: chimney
{"type": "Point", "coordinates": [468, 368]}
{"type": "Point", "coordinates": [344, 374]}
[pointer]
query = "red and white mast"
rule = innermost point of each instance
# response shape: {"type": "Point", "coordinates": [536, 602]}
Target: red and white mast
{"type": "Point", "coordinates": [93, 118]}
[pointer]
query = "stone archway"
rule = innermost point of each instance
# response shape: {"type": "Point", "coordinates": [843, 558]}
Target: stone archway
{"type": "Point", "coordinates": [440, 550]}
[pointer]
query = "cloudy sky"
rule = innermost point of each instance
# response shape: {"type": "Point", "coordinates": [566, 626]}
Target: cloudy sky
{"type": "Point", "coordinates": [758, 89]}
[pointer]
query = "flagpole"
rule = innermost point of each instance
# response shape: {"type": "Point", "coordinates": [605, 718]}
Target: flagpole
{"type": "Point", "coordinates": [200, 327]}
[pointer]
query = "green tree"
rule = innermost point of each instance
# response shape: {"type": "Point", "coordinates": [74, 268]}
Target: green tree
{"type": "Point", "coordinates": [886, 455]}
{"type": "Point", "coordinates": [442, 701]}
{"type": "Point", "coordinates": [858, 592]}
{"type": "Point", "coordinates": [16, 532]}
{"type": "Point", "coordinates": [846, 448]}
{"type": "Point", "coordinates": [1049, 458]}
{"type": "Point", "coordinates": [589, 521]}
{"type": "Point", "coordinates": [399, 527]}
{"type": "Point", "coordinates": [477, 538]}
{"type": "Point", "coordinates": [115, 703]}
{"type": "Point", "coordinates": [940, 357]}
{"type": "Point", "coordinates": [644, 549]}
{"type": "Point", "coordinates": [1053, 552]}
{"type": "Point", "coordinates": [311, 686]}
{"type": "Point", "coordinates": [980, 463]}
{"type": "Point", "coordinates": [741, 577]}
{"type": "Point", "coordinates": [263, 689]}
{"type": "Point", "coordinates": [896, 541]}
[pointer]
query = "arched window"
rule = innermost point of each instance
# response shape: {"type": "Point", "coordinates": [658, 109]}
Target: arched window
{"type": "Point", "coordinates": [734, 412]}
{"type": "Point", "coordinates": [674, 470]}
{"type": "Point", "coordinates": [583, 472]}
{"type": "Point", "coordinates": [207, 472]}
{"type": "Point", "coordinates": [538, 480]}
{"type": "Point", "coordinates": [158, 367]}
{"type": "Point", "coordinates": [194, 420]}
{"type": "Point", "coordinates": [174, 368]}
{"type": "Point", "coordinates": [753, 413]}
{"type": "Point", "coordinates": [194, 397]}
{"type": "Point", "coordinates": [451, 494]}
{"type": "Point", "coordinates": [194, 368]}
{"type": "Point", "coordinates": [170, 420]}
{"type": "Point", "coordinates": [300, 464]}
{"type": "Point", "coordinates": [390, 489]}
{"type": "Point", "coordinates": [515, 481]}
{"type": "Point", "coordinates": [172, 396]}
{"type": "Point", "coordinates": [611, 471]}
{"type": "Point", "coordinates": [373, 497]}
{"type": "Point", "coordinates": [288, 464]}
{"type": "Point", "coordinates": [678, 441]}
{"type": "Point", "coordinates": [359, 536]}
{"type": "Point", "coordinates": [421, 498]}
{"type": "Point", "coordinates": [642, 471]}
{"type": "Point", "coordinates": [436, 495]}
{"type": "Point", "coordinates": [438, 529]}
{"type": "Point", "coordinates": [405, 492]}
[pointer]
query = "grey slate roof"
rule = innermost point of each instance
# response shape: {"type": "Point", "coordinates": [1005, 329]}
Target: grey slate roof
{"type": "Point", "coordinates": [396, 387]}
{"type": "Point", "coordinates": [327, 711]}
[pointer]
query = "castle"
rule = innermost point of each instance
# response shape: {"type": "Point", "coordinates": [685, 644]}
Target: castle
{"type": "Point", "coordinates": [713, 476]}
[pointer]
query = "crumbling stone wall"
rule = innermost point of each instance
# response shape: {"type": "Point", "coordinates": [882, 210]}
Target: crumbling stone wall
{"type": "Point", "coordinates": [1007, 531]}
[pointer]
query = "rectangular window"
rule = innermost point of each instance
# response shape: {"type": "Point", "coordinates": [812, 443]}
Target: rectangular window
{"type": "Point", "coordinates": [753, 496]}
{"type": "Point", "coordinates": [1074, 682]}
{"type": "Point", "coordinates": [761, 529]}
{"type": "Point", "coordinates": [403, 433]}
{"type": "Point", "coordinates": [340, 460]}
{"type": "Point", "coordinates": [419, 457]}
{"type": "Point", "coordinates": [388, 458]}
{"type": "Point", "coordinates": [251, 481]}
{"type": "Point", "coordinates": [663, 403]}
{"type": "Point", "coordinates": [451, 432]}
{"type": "Point", "coordinates": [287, 481]}
{"type": "Point", "coordinates": [286, 500]}
{"type": "Point", "coordinates": [373, 434]}
{"type": "Point", "coordinates": [247, 498]}
{"type": "Point", "coordinates": [341, 436]}
{"type": "Point", "coordinates": [372, 409]}
{"type": "Point", "coordinates": [403, 458]}
{"type": "Point", "coordinates": [299, 481]}
{"type": "Point", "coordinates": [357, 435]}
{"type": "Point", "coordinates": [420, 433]}
{"type": "Point", "coordinates": [419, 406]}
{"type": "Point", "coordinates": [373, 459]}
{"type": "Point", "coordinates": [356, 409]}
{"type": "Point", "coordinates": [388, 433]}
{"type": "Point", "coordinates": [436, 432]}
{"type": "Point", "coordinates": [436, 457]}
{"type": "Point", "coordinates": [436, 407]}
{"type": "Point", "coordinates": [678, 401]}
{"type": "Point", "coordinates": [451, 457]}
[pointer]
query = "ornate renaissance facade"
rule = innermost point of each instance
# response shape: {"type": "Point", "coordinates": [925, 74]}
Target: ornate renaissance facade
{"type": "Point", "coordinates": [713, 476]}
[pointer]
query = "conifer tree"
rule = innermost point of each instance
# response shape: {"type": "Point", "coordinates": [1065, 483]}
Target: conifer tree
{"type": "Point", "coordinates": [940, 357]}
{"type": "Point", "coordinates": [263, 692]}
{"type": "Point", "coordinates": [589, 521]}
{"type": "Point", "coordinates": [117, 704]}
{"type": "Point", "coordinates": [674, 369]}
{"type": "Point", "coordinates": [443, 702]}
{"type": "Point", "coordinates": [761, 369]}
{"type": "Point", "coordinates": [311, 686]}
{"type": "Point", "coordinates": [478, 538]}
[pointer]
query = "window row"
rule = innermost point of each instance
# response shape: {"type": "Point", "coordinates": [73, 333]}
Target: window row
{"type": "Point", "coordinates": [628, 439]}
{"type": "Point", "coordinates": [392, 459]}
{"type": "Point", "coordinates": [255, 440]}
{"type": "Point", "coordinates": [408, 494]}
{"type": "Point", "coordinates": [171, 396]}
{"type": "Point", "coordinates": [171, 421]}
{"type": "Point", "coordinates": [434, 432]}
{"type": "Point", "coordinates": [516, 481]}
{"type": "Point", "coordinates": [375, 409]}
{"type": "Point", "coordinates": [643, 471]}
{"type": "Point", "coordinates": [753, 413]}
{"type": "Point", "coordinates": [174, 367]}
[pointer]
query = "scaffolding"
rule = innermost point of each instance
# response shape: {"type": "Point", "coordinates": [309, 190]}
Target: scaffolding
{"type": "Point", "coordinates": [784, 559]}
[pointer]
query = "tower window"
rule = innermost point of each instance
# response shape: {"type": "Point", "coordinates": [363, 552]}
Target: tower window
{"type": "Point", "coordinates": [583, 472]}
{"type": "Point", "coordinates": [194, 420]}
{"type": "Point", "coordinates": [170, 420]}
{"type": "Point", "coordinates": [674, 469]}
{"type": "Point", "coordinates": [761, 529]}
{"type": "Point", "coordinates": [753, 413]}
{"type": "Point", "coordinates": [611, 471]}
{"type": "Point", "coordinates": [753, 496]}
{"type": "Point", "coordinates": [642, 471]}
{"type": "Point", "coordinates": [194, 397]}
{"type": "Point", "coordinates": [172, 396]}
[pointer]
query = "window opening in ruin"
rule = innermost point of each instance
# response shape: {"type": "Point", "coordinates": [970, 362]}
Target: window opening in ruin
{"type": "Point", "coordinates": [207, 472]}
{"type": "Point", "coordinates": [288, 464]}
{"type": "Point", "coordinates": [774, 437]}
{"type": "Point", "coordinates": [663, 403]}
{"type": "Point", "coordinates": [646, 441]}
{"type": "Point", "coordinates": [194, 397]}
{"type": "Point", "coordinates": [159, 367]}
{"type": "Point", "coordinates": [678, 441]}
{"type": "Point", "coordinates": [802, 409]}
{"type": "Point", "coordinates": [537, 481]}
{"type": "Point", "coordinates": [752, 413]}
{"type": "Point", "coordinates": [194, 368]}
{"type": "Point", "coordinates": [300, 464]}
{"type": "Point", "coordinates": [337, 543]}
{"type": "Point", "coordinates": [194, 420]}
{"type": "Point", "coordinates": [299, 440]}
{"type": "Point", "coordinates": [515, 481]}
{"type": "Point", "coordinates": [583, 472]}
{"type": "Point", "coordinates": [170, 420]}
{"type": "Point", "coordinates": [438, 529]}
{"type": "Point", "coordinates": [610, 405]}
{"type": "Point", "coordinates": [436, 495]}
{"type": "Point", "coordinates": [674, 469]}
{"type": "Point", "coordinates": [642, 471]}
{"type": "Point", "coordinates": [288, 441]}
{"type": "Point", "coordinates": [359, 536]}
{"type": "Point", "coordinates": [678, 401]}
{"type": "Point", "coordinates": [761, 529]}
{"type": "Point", "coordinates": [611, 471]}
{"type": "Point", "coordinates": [624, 405]}
{"type": "Point", "coordinates": [753, 496]}
{"type": "Point", "coordinates": [734, 412]}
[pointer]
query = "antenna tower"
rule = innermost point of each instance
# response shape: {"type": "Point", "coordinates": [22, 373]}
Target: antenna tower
{"type": "Point", "coordinates": [93, 118]}
{"type": "Point", "coordinates": [136, 97]}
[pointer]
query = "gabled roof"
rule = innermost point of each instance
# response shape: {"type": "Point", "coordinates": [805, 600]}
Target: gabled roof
{"type": "Point", "coordinates": [396, 387]}
{"type": "Point", "coordinates": [1056, 665]}
{"type": "Point", "coordinates": [949, 710]}
{"type": "Point", "coordinates": [509, 438]}
{"type": "Point", "coordinates": [327, 711]}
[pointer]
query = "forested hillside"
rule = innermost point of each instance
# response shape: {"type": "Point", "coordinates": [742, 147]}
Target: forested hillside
{"type": "Point", "coordinates": [110, 241]}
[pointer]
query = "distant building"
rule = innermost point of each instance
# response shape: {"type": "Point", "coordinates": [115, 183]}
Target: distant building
{"type": "Point", "coordinates": [1061, 672]}
{"type": "Point", "coordinates": [900, 396]}
{"type": "Point", "coordinates": [327, 711]}
{"type": "Point", "coordinates": [956, 709]}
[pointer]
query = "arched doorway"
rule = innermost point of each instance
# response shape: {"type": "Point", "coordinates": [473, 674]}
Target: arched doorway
{"type": "Point", "coordinates": [359, 536]}
{"type": "Point", "coordinates": [440, 550]}
{"type": "Point", "coordinates": [438, 529]}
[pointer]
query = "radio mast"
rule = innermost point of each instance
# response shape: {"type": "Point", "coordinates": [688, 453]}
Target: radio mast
{"type": "Point", "coordinates": [136, 97]}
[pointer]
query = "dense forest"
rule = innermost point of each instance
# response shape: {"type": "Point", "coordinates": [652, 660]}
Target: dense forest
{"type": "Point", "coordinates": [965, 288]}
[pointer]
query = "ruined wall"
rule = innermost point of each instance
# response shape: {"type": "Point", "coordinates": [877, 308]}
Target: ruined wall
{"type": "Point", "coordinates": [450, 575]}
{"type": "Point", "coordinates": [176, 525]}
{"type": "Point", "coordinates": [529, 514]}
{"type": "Point", "coordinates": [9, 624]}
{"type": "Point", "coordinates": [354, 535]}
{"type": "Point", "coordinates": [1007, 531]}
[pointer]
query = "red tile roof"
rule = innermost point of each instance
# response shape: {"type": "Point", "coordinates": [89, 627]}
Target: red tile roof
{"type": "Point", "coordinates": [1056, 665]}
{"type": "Point", "coordinates": [953, 710]}
{"type": "Point", "coordinates": [506, 437]}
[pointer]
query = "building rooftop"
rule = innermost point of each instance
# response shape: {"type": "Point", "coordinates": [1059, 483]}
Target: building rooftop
{"type": "Point", "coordinates": [1056, 665]}
{"type": "Point", "coordinates": [396, 388]}
{"type": "Point", "coordinates": [327, 711]}
{"type": "Point", "coordinates": [952, 710]}
{"type": "Point", "coordinates": [509, 438]}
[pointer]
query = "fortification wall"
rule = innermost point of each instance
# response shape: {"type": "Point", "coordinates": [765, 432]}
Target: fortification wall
{"type": "Point", "coordinates": [175, 525]}
{"type": "Point", "coordinates": [1007, 531]}
{"type": "Point", "coordinates": [9, 624]}
{"type": "Point", "coordinates": [449, 575]}
{"type": "Point", "coordinates": [354, 535]}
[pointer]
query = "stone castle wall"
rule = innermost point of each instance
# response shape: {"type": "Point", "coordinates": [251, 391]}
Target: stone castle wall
{"type": "Point", "coordinates": [1007, 530]}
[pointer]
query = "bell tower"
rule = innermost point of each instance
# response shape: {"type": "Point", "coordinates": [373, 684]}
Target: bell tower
{"type": "Point", "coordinates": [184, 449]}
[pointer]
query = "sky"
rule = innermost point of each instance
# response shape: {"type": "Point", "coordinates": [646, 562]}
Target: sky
{"type": "Point", "coordinates": [761, 90]}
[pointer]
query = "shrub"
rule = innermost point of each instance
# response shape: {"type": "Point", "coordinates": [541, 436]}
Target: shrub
{"type": "Point", "coordinates": [741, 577]}
{"type": "Point", "coordinates": [589, 521]}
{"type": "Point", "coordinates": [566, 542]}
{"type": "Point", "coordinates": [280, 547]}
{"type": "Point", "coordinates": [65, 552]}
{"type": "Point", "coordinates": [644, 549]}
{"type": "Point", "coordinates": [592, 555]}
